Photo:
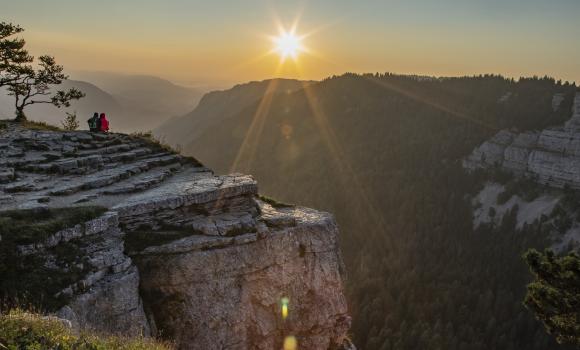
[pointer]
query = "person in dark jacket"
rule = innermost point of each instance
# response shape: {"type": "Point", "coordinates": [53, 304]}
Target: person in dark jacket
{"type": "Point", "coordinates": [94, 122]}
{"type": "Point", "coordinates": [104, 123]}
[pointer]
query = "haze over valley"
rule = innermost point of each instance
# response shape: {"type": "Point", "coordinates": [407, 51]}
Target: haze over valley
{"type": "Point", "coordinates": [134, 102]}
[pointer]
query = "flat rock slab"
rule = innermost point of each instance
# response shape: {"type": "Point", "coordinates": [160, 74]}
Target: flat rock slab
{"type": "Point", "coordinates": [185, 192]}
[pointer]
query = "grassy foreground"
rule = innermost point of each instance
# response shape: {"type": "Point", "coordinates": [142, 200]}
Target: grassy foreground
{"type": "Point", "coordinates": [23, 330]}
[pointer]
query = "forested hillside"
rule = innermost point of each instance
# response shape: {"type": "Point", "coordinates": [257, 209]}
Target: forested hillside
{"type": "Point", "coordinates": [383, 153]}
{"type": "Point", "coordinates": [220, 105]}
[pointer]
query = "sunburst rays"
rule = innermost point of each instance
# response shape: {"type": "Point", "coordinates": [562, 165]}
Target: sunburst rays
{"type": "Point", "coordinates": [347, 175]}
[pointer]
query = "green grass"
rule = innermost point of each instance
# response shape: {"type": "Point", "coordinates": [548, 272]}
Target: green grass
{"type": "Point", "coordinates": [34, 125]}
{"type": "Point", "coordinates": [22, 330]}
{"type": "Point", "coordinates": [34, 225]}
{"type": "Point", "coordinates": [148, 137]}
{"type": "Point", "coordinates": [30, 124]}
{"type": "Point", "coordinates": [161, 145]}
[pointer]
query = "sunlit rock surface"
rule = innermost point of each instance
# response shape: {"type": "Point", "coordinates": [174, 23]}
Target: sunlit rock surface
{"type": "Point", "coordinates": [181, 253]}
{"type": "Point", "coordinates": [552, 156]}
{"type": "Point", "coordinates": [226, 292]}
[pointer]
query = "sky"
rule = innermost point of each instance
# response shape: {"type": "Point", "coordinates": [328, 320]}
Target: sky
{"type": "Point", "coordinates": [219, 42]}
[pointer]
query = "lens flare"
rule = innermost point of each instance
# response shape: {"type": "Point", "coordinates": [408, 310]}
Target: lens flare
{"type": "Point", "coordinates": [290, 343]}
{"type": "Point", "coordinates": [284, 303]}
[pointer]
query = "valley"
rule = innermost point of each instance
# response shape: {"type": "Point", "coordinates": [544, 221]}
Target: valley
{"type": "Point", "coordinates": [385, 153]}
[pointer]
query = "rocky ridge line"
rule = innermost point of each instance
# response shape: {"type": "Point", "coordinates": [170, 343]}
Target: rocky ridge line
{"type": "Point", "coordinates": [551, 156]}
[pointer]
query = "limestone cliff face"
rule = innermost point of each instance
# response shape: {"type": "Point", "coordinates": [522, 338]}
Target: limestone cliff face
{"type": "Point", "coordinates": [226, 292]}
{"type": "Point", "coordinates": [552, 156]}
{"type": "Point", "coordinates": [181, 253]}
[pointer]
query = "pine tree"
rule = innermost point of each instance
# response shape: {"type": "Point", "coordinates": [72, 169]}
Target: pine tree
{"type": "Point", "coordinates": [13, 55]}
{"type": "Point", "coordinates": [554, 295]}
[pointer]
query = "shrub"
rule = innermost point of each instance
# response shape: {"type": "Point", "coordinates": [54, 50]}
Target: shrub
{"type": "Point", "coordinates": [70, 122]}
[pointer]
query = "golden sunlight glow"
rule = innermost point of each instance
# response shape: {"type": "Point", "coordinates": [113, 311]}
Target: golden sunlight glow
{"type": "Point", "coordinates": [288, 44]}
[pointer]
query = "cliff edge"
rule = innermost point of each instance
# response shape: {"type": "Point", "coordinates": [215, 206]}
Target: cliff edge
{"type": "Point", "coordinates": [151, 242]}
{"type": "Point", "coordinates": [550, 156]}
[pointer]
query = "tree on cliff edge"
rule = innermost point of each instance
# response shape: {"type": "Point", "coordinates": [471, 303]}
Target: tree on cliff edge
{"type": "Point", "coordinates": [12, 52]}
{"type": "Point", "coordinates": [554, 295]}
{"type": "Point", "coordinates": [30, 85]}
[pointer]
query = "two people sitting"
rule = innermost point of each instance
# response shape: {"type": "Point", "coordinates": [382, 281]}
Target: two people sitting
{"type": "Point", "coordinates": [98, 123]}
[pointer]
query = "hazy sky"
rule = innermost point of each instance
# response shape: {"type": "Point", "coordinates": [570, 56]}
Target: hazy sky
{"type": "Point", "coordinates": [226, 41]}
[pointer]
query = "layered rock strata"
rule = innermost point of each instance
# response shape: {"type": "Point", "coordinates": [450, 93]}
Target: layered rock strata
{"type": "Point", "coordinates": [180, 253]}
{"type": "Point", "coordinates": [552, 156]}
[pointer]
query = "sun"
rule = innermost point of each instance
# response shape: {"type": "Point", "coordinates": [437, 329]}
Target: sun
{"type": "Point", "coordinates": [288, 44]}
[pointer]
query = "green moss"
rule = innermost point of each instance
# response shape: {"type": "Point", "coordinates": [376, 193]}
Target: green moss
{"type": "Point", "coordinates": [21, 330]}
{"type": "Point", "coordinates": [139, 240]}
{"type": "Point", "coordinates": [31, 279]}
{"type": "Point", "coordinates": [274, 203]}
{"type": "Point", "coordinates": [34, 225]}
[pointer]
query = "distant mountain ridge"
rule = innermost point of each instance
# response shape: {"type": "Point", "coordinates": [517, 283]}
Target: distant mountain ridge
{"type": "Point", "coordinates": [217, 106]}
{"type": "Point", "coordinates": [96, 100]}
{"type": "Point", "coordinates": [133, 102]}
{"type": "Point", "coordinates": [153, 95]}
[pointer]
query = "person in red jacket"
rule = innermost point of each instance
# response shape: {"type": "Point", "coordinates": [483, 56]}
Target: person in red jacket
{"type": "Point", "coordinates": [104, 123]}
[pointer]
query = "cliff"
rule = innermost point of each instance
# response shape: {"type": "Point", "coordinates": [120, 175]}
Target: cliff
{"type": "Point", "coordinates": [169, 248]}
{"type": "Point", "coordinates": [551, 156]}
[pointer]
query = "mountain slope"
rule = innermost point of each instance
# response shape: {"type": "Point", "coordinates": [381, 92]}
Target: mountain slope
{"type": "Point", "coordinates": [217, 106]}
{"type": "Point", "coordinates": [154, 98]}
{"type": "Point", "coordinates": [385, 154]}
{"type": "Point", "coordinates": [96, 100]}
{"type": "Point", "coordinates": [132, 102]}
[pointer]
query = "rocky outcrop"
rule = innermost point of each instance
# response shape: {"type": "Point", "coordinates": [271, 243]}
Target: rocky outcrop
{"type": "Point", "coordinates": [180, 252]}
{"type": "Point", "coordinates": [552, 156]}
{"type": "Point", "coordinates": [227, 292]}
